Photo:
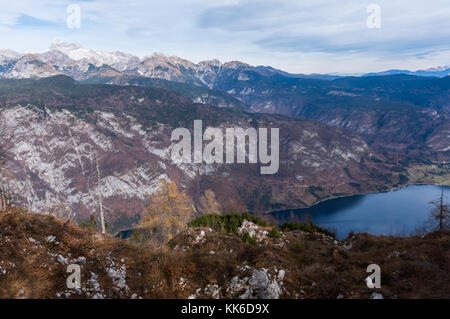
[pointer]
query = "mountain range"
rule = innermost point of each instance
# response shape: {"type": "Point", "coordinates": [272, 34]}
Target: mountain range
{"type": "Point", "coordinates": [442, 71]}
{"type": "Point", "coordinates": [78, 62]}
{"type": "Point", "coordinates": [401, 112]}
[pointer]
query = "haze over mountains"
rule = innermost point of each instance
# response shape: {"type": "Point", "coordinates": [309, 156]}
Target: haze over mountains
{"type": "Point", "coordinates": [73, 59]}
{"type": "Point", "coordinates": [69, 106]}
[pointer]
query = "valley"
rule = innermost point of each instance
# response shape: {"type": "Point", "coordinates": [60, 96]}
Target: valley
{"type": "Point", "coordinates": [62, 130]}
{"type": "Point", "coordinates": [76, 116]}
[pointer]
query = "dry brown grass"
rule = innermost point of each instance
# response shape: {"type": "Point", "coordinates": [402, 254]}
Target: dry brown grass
{"type": "Point", "coordinates": [315, 266]}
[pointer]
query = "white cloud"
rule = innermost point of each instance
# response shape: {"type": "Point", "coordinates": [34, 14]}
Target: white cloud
{"type": "Point", "coordinates": [298, 36]}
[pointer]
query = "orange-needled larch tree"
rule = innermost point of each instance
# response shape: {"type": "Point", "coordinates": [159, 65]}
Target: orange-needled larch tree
{"type": "Point", "coordinates": [168, 212]}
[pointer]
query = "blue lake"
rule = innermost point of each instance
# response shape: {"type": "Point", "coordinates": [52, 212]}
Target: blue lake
{"type": "Point", "coordinates": [397, 212]}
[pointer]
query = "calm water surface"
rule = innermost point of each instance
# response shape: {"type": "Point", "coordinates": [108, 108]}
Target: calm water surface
{"type": "Point", "coordinates": [397, 212]}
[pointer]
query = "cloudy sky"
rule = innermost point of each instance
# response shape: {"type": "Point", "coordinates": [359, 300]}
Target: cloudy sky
{"type": "Point", "coordinates": [299, 36]}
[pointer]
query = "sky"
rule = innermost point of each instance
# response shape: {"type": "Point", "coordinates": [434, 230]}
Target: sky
{"type": "Point", "coordinates": [312, 36]}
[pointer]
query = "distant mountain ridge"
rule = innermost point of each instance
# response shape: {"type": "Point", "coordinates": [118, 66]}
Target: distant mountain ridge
{"type": "Point", "coordinates": [74, 60]}
{"type": "Point", "coordinates": [439, 72]}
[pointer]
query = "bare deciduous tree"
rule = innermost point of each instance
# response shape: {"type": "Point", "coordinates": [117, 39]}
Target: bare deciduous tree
{"type": "Point", "coordinates": [29, 191]}
{"type": "Point", "coordinates": [439, 216]}
{"type": "Point", "coordinates": [6, 195]}
{"type": "Point", "coordinates": [208, 203]}
{"type": "Point", "coordinates": [100, 198]}
{"type": "Point", "coordinates": [3, 139]}
{"type": "Point", "coordinates": [62, 212]}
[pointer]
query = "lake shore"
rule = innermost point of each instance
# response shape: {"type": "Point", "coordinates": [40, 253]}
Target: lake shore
{"type": "Point", "coordinates": [400, 210]}
{"type": "Point", "coordinates": [355, 194]}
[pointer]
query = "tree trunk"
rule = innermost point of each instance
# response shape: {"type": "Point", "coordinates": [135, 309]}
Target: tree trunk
{"type": "Point", "coordinates": [441, 210]}
{"type": "Point", "coordinates": [100, 199]}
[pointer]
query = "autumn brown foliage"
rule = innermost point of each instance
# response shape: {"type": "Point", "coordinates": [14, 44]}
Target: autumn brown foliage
{"type": "Point", "coordinates": [168, 212]}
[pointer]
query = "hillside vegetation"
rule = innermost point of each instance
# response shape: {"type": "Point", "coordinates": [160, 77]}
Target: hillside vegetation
{"type": "Point", "coordinates": [201, 262]}
{"type": "Point", "coordinates": [84, 135]}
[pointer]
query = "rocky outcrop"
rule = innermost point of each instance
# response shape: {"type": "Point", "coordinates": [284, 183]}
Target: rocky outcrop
{"type": "Point", "coordinates": [261, 287]}
{"type": "Point", "coordinates": [253, 230]}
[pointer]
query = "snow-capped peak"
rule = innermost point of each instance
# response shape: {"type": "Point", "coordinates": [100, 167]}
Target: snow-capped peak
{"type": "Point", "coordinates": [55, 57]}
{"type": "Point", "coordinates": [236, 65]}
{"type": "Point", "coordinates": [160, 59]}
{"type": "Point", "coordinates": [29, 66]}
{"type": "Point", "coordinates": [211, 63]}
{"type": "Point", "coordinates": [9, 55]}
{"type": "Point", "coordinates": [77, 52]}
{"type": "Point", "coordinates": [60, 45]}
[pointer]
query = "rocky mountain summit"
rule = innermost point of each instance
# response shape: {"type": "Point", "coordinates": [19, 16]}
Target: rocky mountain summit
{"type": "Point", "coordinates": [203, 263]}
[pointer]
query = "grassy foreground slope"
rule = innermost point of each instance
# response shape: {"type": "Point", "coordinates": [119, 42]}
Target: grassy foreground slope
{"type": "Point", "coordinates": [35, 251]}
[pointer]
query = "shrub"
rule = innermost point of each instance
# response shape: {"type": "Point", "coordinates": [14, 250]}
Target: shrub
{"type": "Point", "coordinates": [308, 227]}
{"type": "Point", "coordinates": [246, 238]}
{"type": "Point", "coordinates": [274, 233]}
{"type": "Point", "coordinates": [228, 223]}
{"type": "Point", "coordinates": [91, 224]}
